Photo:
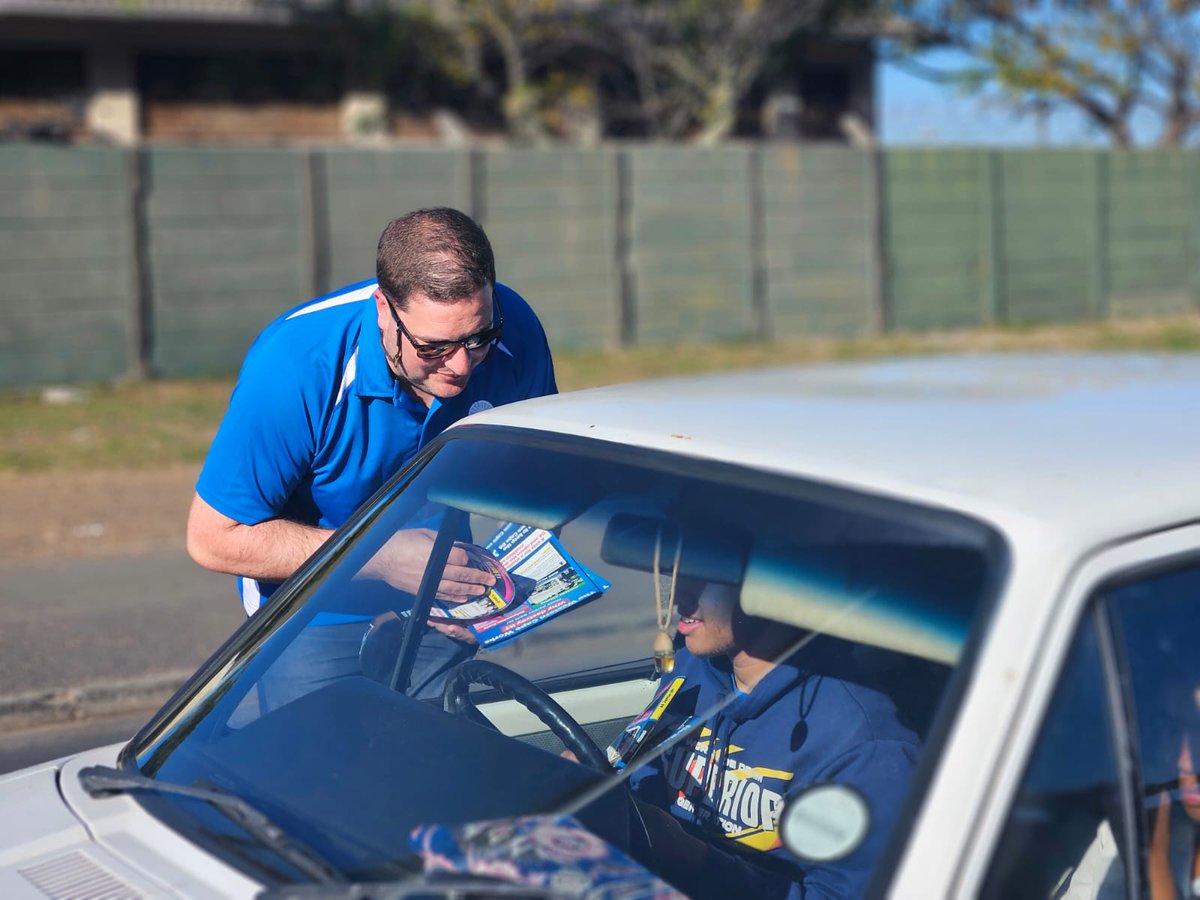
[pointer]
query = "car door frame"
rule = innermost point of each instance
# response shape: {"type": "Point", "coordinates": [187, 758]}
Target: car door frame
{"type": "Point", "coordinates": [968, 860]}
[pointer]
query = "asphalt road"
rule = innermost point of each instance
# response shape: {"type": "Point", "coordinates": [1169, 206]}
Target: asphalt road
{"type": "Point", "coordinates": [88, 638]}
{"type": "Point", "coordinates": [91, 647]}
{"type": "Point", "coordinates": [28, 747]}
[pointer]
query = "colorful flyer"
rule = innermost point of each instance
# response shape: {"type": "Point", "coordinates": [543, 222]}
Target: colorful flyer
{"type": "Point", "coordinates": [553, 582]}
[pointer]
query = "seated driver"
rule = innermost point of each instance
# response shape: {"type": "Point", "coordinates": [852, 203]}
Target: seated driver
{"type": "Point", "coordinates": [711, 803]}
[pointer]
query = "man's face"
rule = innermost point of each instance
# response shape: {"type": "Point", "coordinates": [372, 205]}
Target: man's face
{"type": "Point", "coordinates": [706, 617]}
{"type": "Point", "coordinates": [429, 321]}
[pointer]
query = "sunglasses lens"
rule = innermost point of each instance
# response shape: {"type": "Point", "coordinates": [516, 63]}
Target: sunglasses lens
{"type": "Point", "coordinates": [482, 339]}
{"type": "Point", "coordinates": [474, 342]}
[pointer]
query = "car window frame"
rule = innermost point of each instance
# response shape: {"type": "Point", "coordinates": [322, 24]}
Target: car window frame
{"type": "Point", "coordinates": [1113, 564]}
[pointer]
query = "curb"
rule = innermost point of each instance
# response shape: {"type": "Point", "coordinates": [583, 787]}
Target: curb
{"type": "Point", "coordinates": [93, 700]}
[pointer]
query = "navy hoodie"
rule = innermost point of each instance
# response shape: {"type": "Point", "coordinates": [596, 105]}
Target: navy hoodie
{"type": "Point", "coordinates": [804, 723]}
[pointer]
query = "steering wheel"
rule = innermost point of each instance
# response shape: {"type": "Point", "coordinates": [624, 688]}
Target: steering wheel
{"type": "Point", "coordinates": [456, 698]}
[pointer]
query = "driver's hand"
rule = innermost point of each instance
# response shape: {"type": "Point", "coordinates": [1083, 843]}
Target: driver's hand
{"type": "Point", "coordinates": [401, 563]}
{"type": "Point", "coordinates": [458, 632]}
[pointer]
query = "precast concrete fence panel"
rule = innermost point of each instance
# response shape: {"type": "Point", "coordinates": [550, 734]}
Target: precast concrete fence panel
{"type": "Point", "coordinates": [228, 248]}
{"type": "Point", "coordinates": [691, 258]}
{"type": "Point", "coordinates": [357, 192]}
{"type": "Point", "coordinates": [67, 265]}
{"type": "Point", "coordinates": [819, 245]}
{"type": "Point", "coordinates": [552, 216]}
{"type": "Point", "coordinates": [939, 232]}
{"type": "Point", "coordinates": [168, 260]}
{"type": "Point", "coordinates": [1152, 233]}
{"type": "Point", "coordinates": [1048, 213]}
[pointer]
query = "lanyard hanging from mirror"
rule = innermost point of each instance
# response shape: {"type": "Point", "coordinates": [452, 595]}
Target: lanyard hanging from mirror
{"type": "Point", "coordinates": [664, 647]}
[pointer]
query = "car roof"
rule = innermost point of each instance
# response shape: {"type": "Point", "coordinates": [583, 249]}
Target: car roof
{"type": "Point", "coordinates": [1096, 445]}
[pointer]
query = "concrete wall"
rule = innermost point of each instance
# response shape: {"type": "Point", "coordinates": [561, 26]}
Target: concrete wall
{"type": "Point", "coordinates": [167, 261]}
{"type": "Point", "coordinates": [68, 293]}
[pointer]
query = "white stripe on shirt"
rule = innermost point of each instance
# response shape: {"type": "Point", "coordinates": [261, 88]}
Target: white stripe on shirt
{"type": "Point", "coordinates": [337, 300]}
{"type": "Point", "coordinates": [251, 595]}
{"type": "Point", "coordinates": [348, 376]}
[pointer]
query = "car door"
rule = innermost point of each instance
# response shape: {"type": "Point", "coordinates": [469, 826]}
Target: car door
{"type": "Point", "coordinates": [1107, 805]}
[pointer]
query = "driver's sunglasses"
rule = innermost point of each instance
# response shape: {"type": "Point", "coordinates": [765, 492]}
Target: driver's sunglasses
{"type": "Point", "coordinates": [442, 349]}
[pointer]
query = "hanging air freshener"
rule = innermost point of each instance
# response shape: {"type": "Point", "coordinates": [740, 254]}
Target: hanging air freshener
{"type": "Point", "coordinates": [664, 647]}
{"type": "Point", "coordinates": [664, 653]}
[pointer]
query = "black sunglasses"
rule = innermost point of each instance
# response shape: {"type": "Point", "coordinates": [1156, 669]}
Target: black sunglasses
{"type": "Point", "coordinates": [441, 349]}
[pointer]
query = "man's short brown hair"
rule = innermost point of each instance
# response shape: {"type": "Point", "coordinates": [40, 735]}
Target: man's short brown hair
{"type": "Point", "coordinates": [440, 252]}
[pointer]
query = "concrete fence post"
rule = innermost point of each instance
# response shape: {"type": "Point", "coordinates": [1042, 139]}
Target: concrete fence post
{"type": "Point", "coordinates": [877, 209]}
{"type": "Point", "coordinates": [141, 313]}
{"type": "Point", "coordinates": [993, 305]}
{"type": "Point", "coordinates": [1098, 277]}
{"type": "Point", "coordinates": [477, 184]}
{"type": "Point", "coordinates": [623, 244]}
{"type": "Point", "coordinates": [316, 188]}
{"type": "Point", "coordinates": [759, 306]}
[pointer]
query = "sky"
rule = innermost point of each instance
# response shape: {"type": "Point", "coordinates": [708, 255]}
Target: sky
{"type": "Point", "coordinates": [915, 111]}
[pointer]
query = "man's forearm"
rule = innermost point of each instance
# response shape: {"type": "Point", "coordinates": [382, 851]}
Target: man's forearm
{"type": "Point", "coordinates": [271, 550]}
{"type": "Point", "coordinates": [268, 551]}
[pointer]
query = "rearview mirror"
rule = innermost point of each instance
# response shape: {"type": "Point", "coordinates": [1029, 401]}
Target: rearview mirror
{"type": "Point", "coordinates": [629, 541]}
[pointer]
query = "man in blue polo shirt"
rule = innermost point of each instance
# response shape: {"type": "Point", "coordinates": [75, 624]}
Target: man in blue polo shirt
{"type": "Point", "coordinates": [339, 393]}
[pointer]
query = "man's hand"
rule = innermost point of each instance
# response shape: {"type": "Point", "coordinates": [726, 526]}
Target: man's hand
{"type": "Point", "coordinates": [458, 632]}
{"type": "Point", "coordinates": [402, 560]}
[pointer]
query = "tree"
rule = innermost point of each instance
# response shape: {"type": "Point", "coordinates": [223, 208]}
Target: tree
{"type": "Point", "coordinates": [529, 37]}
{"type": "Point", "coordinates": [674, 69]}
{"type": "Point", "coordinates": [695, 60]}
{"type": "Point", "coordinates": [1110, 60]}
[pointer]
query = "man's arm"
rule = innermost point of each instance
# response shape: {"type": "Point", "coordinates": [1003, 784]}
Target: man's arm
{"type": "Point", "coordinates": [268, 551]}
{"type": "Point", "coordinates": [274, 549]}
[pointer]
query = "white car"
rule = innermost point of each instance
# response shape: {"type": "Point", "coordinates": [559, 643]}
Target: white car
{"type": "Point", "coordinates": [980, 577]}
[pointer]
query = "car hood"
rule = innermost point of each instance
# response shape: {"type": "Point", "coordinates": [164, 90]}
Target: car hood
{"type": "Point", "coordinates": [57, 842]}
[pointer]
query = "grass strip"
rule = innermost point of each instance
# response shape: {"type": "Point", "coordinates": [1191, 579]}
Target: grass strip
{"type": "Point", "coordinates": [164, 422]}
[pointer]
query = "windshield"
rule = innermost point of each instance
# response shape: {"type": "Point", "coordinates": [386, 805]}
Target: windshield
{"type": "Point", "coordinates": [666, 655]}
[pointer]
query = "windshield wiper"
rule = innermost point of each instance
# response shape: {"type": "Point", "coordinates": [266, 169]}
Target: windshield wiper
{"type": "Point", "coordinates": [105, 781]}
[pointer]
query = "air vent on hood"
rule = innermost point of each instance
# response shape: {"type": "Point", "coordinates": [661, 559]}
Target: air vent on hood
{"type": "Point", "coordinates": [75, 876]}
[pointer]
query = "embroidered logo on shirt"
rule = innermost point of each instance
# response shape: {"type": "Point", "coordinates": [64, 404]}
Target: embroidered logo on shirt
{"type": "Point", "coordinates": [479, 406]}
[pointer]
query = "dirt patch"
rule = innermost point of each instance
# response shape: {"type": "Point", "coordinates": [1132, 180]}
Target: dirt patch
{"type": "Point", "coordinates": [86, 514]}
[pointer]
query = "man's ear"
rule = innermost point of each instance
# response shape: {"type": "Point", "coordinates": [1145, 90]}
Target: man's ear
{"type": "Point", "coordinates": [382, 315]}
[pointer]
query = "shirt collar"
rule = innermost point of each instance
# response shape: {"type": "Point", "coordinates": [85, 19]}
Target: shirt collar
{"type": "Point", "coordinates": [375, 377]}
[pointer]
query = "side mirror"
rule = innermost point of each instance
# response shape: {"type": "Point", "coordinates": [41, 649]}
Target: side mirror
{"type": "Point", "coordinates": [825, 822]}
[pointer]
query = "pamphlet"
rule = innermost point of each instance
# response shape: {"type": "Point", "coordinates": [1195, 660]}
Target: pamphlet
{"type": "Point", "coordinates": [550, 582]}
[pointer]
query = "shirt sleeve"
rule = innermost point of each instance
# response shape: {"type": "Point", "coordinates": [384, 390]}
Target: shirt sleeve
{"type": "Point", "coordinates": [524, 329]}
{"type": "Point", "coordinates": [542, 383]}
{"type": "Point", "coordinates": [266, 442]}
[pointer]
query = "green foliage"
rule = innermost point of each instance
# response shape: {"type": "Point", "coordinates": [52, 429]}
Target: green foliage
{"type": "Point", "coordinates": [408, 51]}
{"type": "Point", "coordinates": [686, 65]}
{"type": "Point", "coordinates": [696, 59]}
{"type": "Point", "coordinates": [1109, 60]}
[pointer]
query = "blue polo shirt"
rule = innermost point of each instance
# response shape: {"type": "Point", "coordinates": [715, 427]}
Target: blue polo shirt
{"type": "Point", "coordinates": [317, 422]}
